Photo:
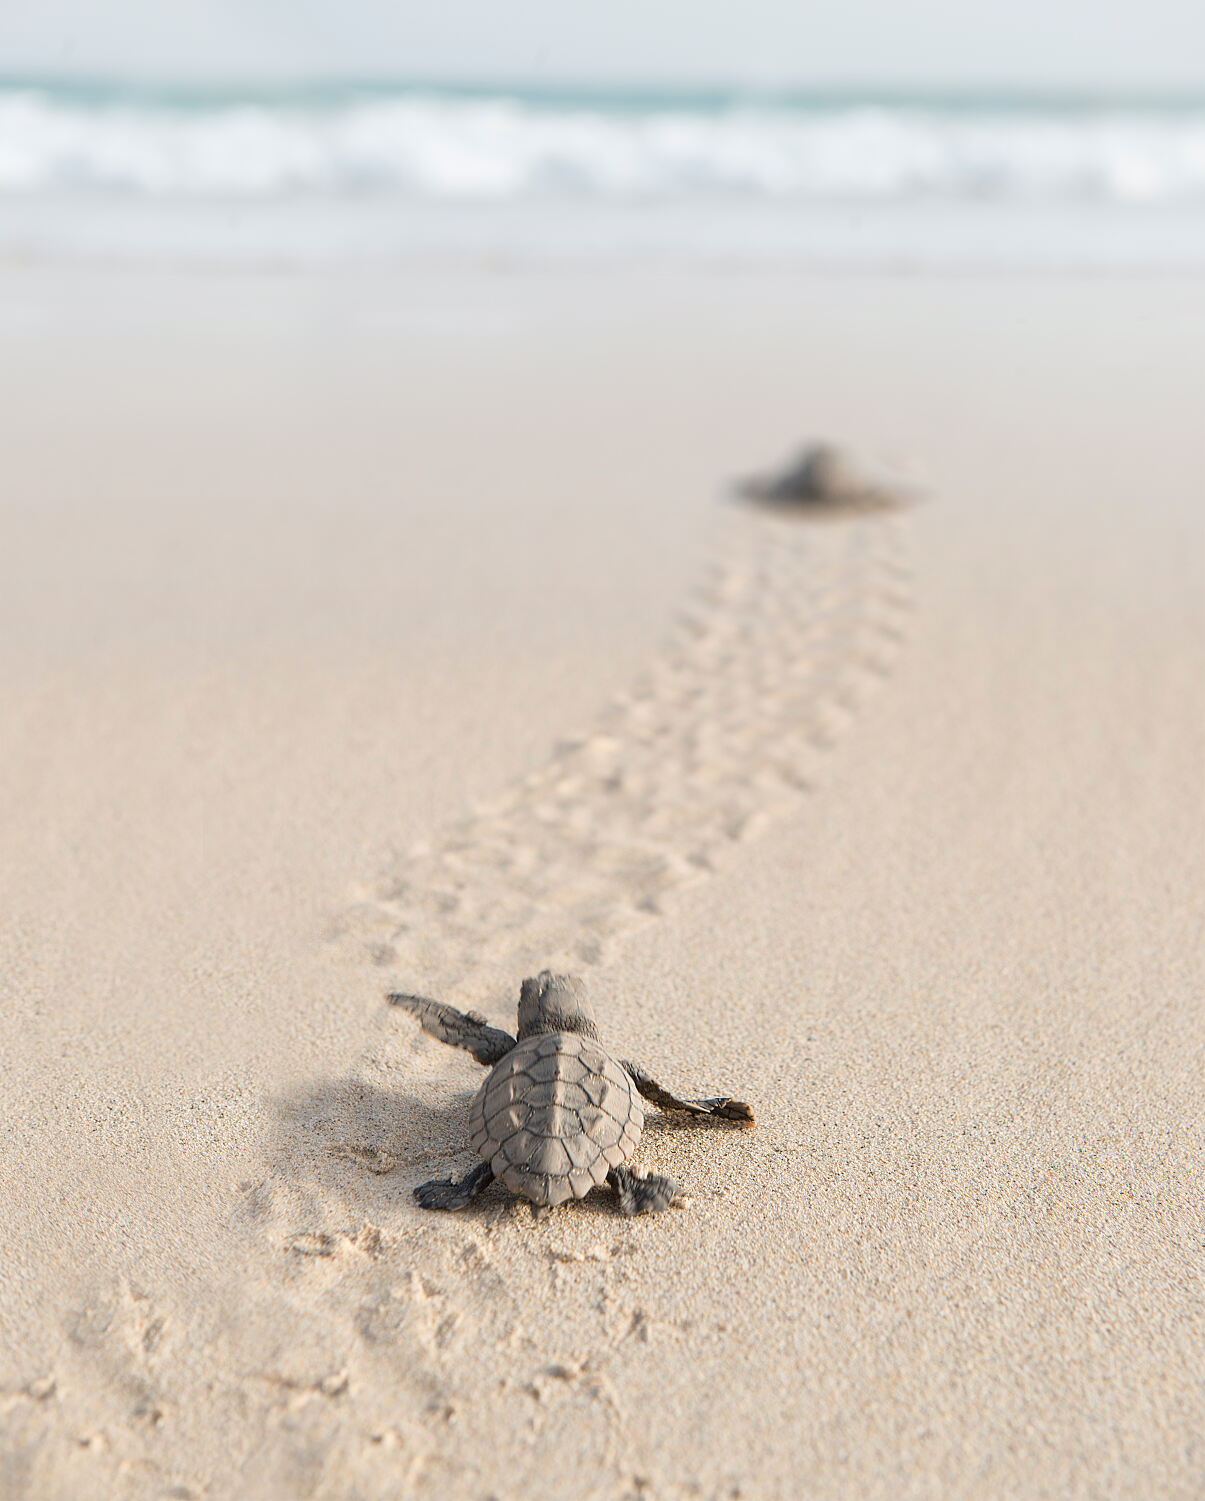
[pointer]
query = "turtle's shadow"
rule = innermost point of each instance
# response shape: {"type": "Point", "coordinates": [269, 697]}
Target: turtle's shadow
{"type": "Point", "coordinates": [819, 509]}
{"type": "Point", "coordinates": [365, 1146]}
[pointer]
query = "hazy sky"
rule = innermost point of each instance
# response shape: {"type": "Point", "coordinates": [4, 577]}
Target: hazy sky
{"type": "Point", "coordinates": [1147, 43]}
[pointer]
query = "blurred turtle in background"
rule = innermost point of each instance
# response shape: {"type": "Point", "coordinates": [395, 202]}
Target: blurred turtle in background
{"type": "Point", "coordinates": [825, 475]}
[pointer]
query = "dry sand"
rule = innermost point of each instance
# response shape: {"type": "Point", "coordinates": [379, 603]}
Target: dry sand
{"type": "Point", "coordinates": [393, 633]}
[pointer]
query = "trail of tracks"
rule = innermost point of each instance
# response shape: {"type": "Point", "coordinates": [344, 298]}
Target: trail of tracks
{"type": "Point", "coordinates": [796, 623]}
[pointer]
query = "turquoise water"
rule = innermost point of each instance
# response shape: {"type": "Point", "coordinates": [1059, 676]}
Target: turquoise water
{"type": "Point", "coordinates": [639, 98]}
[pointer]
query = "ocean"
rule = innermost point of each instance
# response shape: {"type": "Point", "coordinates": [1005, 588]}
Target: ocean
{"type": "Point", "coordinates": [381, 172]}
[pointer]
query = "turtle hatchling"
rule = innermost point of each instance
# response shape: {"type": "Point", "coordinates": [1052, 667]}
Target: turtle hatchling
{"type": "Point", "coordinates": [556, 1115]}
{"type": "Point", "coordinates": [827, 476]}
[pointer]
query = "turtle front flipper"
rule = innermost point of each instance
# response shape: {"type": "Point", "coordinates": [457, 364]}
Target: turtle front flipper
{"type": "Point", "coordinates": [723, 1107]}
{"type": "Point", "coordinates": [642, 1195]}
{"type": "Point", "coordinates": [459, 1029]}
{"type": "Point", "coordinates": [447, 1193]}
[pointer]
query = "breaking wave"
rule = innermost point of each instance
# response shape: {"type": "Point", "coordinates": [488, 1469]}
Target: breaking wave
{"type": "Point", "coordinates": [473, 146]}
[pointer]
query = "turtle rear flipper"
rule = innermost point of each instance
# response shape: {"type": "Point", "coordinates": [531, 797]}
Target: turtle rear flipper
{"type": "Point", "coordinates": [639, 1195]}
{"type": "Point", "coordinates": [448, 1193]}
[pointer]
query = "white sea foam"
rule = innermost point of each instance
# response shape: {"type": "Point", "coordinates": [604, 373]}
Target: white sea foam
{"type": "Point", "coordinates": [488, 149]}
{"type": "Point", "coordinates": [389, 156]}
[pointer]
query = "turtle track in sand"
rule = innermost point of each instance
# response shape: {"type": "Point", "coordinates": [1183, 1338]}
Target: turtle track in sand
{"type": "Point", "coordinates": [726, 730]}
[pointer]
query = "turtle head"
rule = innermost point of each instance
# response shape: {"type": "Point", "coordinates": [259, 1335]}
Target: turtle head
{"type": "Point", "coordinates": [554, 1003]}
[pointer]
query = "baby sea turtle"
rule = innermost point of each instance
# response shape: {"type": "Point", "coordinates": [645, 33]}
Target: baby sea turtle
{"type": "Point", "coordinates": [557, 1115]}
{"type": "Point", "coordinates": [824, 475]}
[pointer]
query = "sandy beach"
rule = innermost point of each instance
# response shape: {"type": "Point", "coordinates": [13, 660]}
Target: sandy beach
{"type": "Point", "coordinates": [399, 631]}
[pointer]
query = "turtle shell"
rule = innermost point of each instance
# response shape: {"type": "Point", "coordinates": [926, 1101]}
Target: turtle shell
{"type": "Point", "coordinates": [555, 1116]}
